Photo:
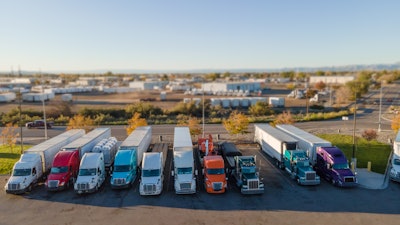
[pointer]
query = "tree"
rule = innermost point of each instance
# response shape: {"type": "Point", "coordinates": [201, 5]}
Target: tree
{"type": "Point", "coordinates": [396, 123]}
{"type": "Point", "coordinates": [284, 118]}
{"type": "Point", "coordinates": [192, 122]}
{"type": "Point", "coordinates": [320, 85]}
{"type": "Point", "coordinates": [237, 123]}
{"type": "Point", "coordinates": [260, 109]}
{"type": "Point", "coordinates": [369, 134]}
{"type": "Point", "coordinates": [80, 122]}
{"type": "Point", "coordinates": [135, 122]}
{"type": "Point", "coordinates": [9, 136]}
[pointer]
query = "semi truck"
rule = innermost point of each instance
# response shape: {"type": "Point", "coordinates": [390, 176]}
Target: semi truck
{"type": "Point", "coordinates": [152, 177]}
{"type": "Point", "coordinates": [215, 180]}
{"type": "Point", "coordinates": [129, 157]}
{"type": "Point", "coordinates": [92, 173]}
{"type": "Point", "coordinates": [109, 147]}
{"type": "Point", "coordinates": [283, 149]}
{"type": "Point", "coordinates": [395, 161]}
{"type": "Point", "coordinates": [86, 142]}
{"type": "Point", "coordinates": [184, 172]}
{"type": "Point", "coordinates": [306, 141]}
{"type": "Point", "coordinates": [242, 169]}
{"type": "Point", "coordinates": [35, 163]}
{"type": "Point", "coordinates": [332, 165]}
{"type": "Point", "coordinates": [64, 171]}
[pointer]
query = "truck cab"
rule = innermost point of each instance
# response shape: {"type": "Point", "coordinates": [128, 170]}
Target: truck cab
{"type": "Point", "coordinates": [333, 166]}
{"type": "Point", "coordinates": [215, 180]}
{"type": "Point", "coordinates": [298, 165]}
{"type": "Point", "coordinates": [64, 171]}
{"type": "Point", "coordinates": [124, 170]}
{"type": "Point", "coordinates": [26, 173]}
{"type": "Point", "coordinates": [246, 175]}
{"type": "Point", "coordinates": [92, 173]}
{"type": "Point", "coordinates": [152, 177]}
{"type": "Point", "coordinates": [184, 173]}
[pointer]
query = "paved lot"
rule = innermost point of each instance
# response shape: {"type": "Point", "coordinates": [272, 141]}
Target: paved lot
{"type": "Point", "coordinates": [284, 202]}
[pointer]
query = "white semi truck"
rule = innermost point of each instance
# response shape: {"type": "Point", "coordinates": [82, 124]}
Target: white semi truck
{"type": "Point", "coordinates": [184, 170]}
{"type": "Point", "coordinates": [36, 162]}
{"type": "Point", "coordinates": [92, 173]}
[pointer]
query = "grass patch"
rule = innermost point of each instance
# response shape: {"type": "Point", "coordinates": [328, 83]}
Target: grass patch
{"type": "Point", "coordinates": [8, 158]}
{"type": "Point", "coordinates": [366, 151]}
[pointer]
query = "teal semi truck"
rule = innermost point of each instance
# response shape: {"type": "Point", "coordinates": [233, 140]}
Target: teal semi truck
{"type": "Point", "coordinates": [283, 149]}
{"type": "Point", "coordinates": [129, 157]}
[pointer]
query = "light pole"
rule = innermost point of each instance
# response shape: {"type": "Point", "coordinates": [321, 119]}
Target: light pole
{"type": "Point", "coordinates": [20, 119]}
{"type": "Point", "coordinates": [353, 156]}
{"type": "Point", "coordinates": [44, 110]}
{"type": "Point", "coordinates": [380, 109]}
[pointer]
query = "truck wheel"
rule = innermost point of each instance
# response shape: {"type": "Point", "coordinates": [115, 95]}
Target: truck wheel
{"type": "Point", "coordinates": [333, 182]}
{"type": "Point", "coordinates": [30, 188]}
{"type": "Point", "coordinates": [298, 181]}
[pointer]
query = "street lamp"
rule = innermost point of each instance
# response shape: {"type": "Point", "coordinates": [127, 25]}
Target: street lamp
{"type": "Point", "coordinates": [353, 156]}
{"type": "Point", "coordinates": [380, 109]}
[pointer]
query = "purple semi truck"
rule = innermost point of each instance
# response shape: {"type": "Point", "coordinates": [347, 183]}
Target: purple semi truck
{"type": "Point", "coordinates": [333, 166]}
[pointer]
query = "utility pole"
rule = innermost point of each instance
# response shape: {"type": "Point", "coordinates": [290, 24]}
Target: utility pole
{"type": "Point", "coordinates": [380, 109]}
{"type": "Point", "coordinates": [353, 159]}
{"type": "Point", "coordinates": [20, 119]}
{"type": "Point", "coordinates": [44, 109]}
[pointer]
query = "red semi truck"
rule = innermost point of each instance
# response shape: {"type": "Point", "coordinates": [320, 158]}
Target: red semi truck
{"type": "Point", "coordinates": [64, 171]}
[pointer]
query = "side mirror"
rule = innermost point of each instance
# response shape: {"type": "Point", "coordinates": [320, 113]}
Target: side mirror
{"type": "Point", "coordinates": [172, 173]}
{"type": "Point", "coordinates": [202, 171]}
{"type": "Point", "coordinates": [196, 172]}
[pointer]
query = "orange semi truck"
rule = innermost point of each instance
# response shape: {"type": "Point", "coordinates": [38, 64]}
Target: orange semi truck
{"type": "Point", "coordinates": [214, 174]}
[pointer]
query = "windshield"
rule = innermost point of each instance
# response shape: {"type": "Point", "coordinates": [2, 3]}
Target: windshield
{"type": "Point", "coordinates": [340, 166]}
{"type": "Point", "coordinates": [122, 168]}
{"type": "Point", "coordinates": [396, 162]}
{"type": "Point", "coordinates": [215, 171]}
{"type": "Point", "coordinates": [151, 173]}
{"type": "Point", "coordinates": [55, 170]}
{"type": "Point", "coordinates": [22, 172]}
{"type": "Point", "coordinates": [87, 172]}
{"type": "Point", "coordinates": [187, 170]}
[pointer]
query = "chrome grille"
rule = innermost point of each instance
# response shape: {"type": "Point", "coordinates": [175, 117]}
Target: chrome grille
{"type": "Point", "coordinates": [149, 188]}
{"type": "Point", "coordinates": [83, 186]}
{"type": "Point", "coordinates": [348, 179]}
{"type": "Point", "coordinates": [52, 183]}
{"type": "Point", "coordinates": [119, 181]}
{"type": "Point", "coordinates": [186, 186]}
{"type": "Point", "coordinates": [217, 186]}
{"type": "Point", "coordinates": [253, 184]}
{"type": "Point", "coordinates": [310, 176]}
{"type": "Point", "coordinates": [13, 186]}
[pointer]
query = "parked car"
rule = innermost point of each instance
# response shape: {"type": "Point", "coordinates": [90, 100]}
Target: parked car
{"type": "Point", "coordinates": [39, 124]}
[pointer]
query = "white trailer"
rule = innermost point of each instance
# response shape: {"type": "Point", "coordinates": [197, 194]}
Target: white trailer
{"type": "Point", "coordinates": [307, 141]}
{"type": "Point", "coordinates": [108, 147]}
{"type": "Point", "coordinates": [87, 142]}
{"type": "Point", "coordinates": [184, 170]}
{"type": "Point", "coordinates": [36, 162]}
{"type": "Point", "coordinates": [277, 102]}
{"type": "Point", "coordinates": [395, 161]}
{"type": "Point", "coordinates": [274, 142]}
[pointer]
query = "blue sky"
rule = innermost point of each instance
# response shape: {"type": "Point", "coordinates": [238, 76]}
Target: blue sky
{"type": "Point", "coordinates": [82, 35]}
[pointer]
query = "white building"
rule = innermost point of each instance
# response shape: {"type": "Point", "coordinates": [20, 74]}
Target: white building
{"type": "Point", "coordinates": [331, 79]}
{"type": "Point", "coordinates": [148, 85]}
{"type": "Point", "coordinates": [231, 86]}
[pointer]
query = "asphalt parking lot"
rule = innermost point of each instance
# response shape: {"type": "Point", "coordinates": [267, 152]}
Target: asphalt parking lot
{"type": "Point", "coordinates": [284, 202]}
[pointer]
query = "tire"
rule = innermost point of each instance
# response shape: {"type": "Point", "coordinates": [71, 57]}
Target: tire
{"type": "Point", "coordinates": [333, 182]}
{"type": "Point", "coordinates": [298, 181]}
{"type": "Point", "coordinates": [30, 188]}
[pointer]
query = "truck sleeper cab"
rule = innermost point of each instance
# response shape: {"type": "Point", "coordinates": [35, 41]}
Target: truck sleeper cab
{"type": "Point", "coordinates": [92, 173]}
{"type": "Point", "coordinates": [333, 166]}
{"type": "Point", "coordinates": [64, 171]}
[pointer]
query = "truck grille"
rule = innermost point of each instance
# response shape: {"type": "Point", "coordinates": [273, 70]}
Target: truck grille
{"type": "Point", "coordinates": [217, 186]}
{"type": "Point", "coordinates": [119, 181]}
{"type": "Point", "coordinates": [13, 187]}
{"type": "Point", "coordinates": [310, 176]}
{"type": "Point", "coordinates": [149, 188]}
{"type": "Point", "coordinates": [83, 186]}
{"type": "Point", "coordinates": [349, 179]}
{"type": "Point", "coordinates": [186, 186]}
{"type": "Point", "coordinates": [52, 183]}
{"type": "Point", "coordinates": [253, 184]}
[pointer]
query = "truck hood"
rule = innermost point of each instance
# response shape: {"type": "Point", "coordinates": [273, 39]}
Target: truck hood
{"type": "Point", "coordinates": [18, 180]}
{"type": "Point", "coordinates": [57, 176]}
{"type": "Point", "coordinates": [344, 172]}
{"type": "Point", "coordinates": [150, 180]}
{"type": "Point", "coordinates": [216, 178]}
{"type": "Point", "coordinates": [116, 175]}
{"type": "Point", "coordinates": [184, 177]}
{"type": "Point", "coordinates": [396, 167]}
{"type": "Point", "coordinates": [85, 179]}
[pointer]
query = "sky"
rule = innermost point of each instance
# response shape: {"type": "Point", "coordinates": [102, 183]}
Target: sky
{"type": "Point", "coordinates": [76, 35]}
